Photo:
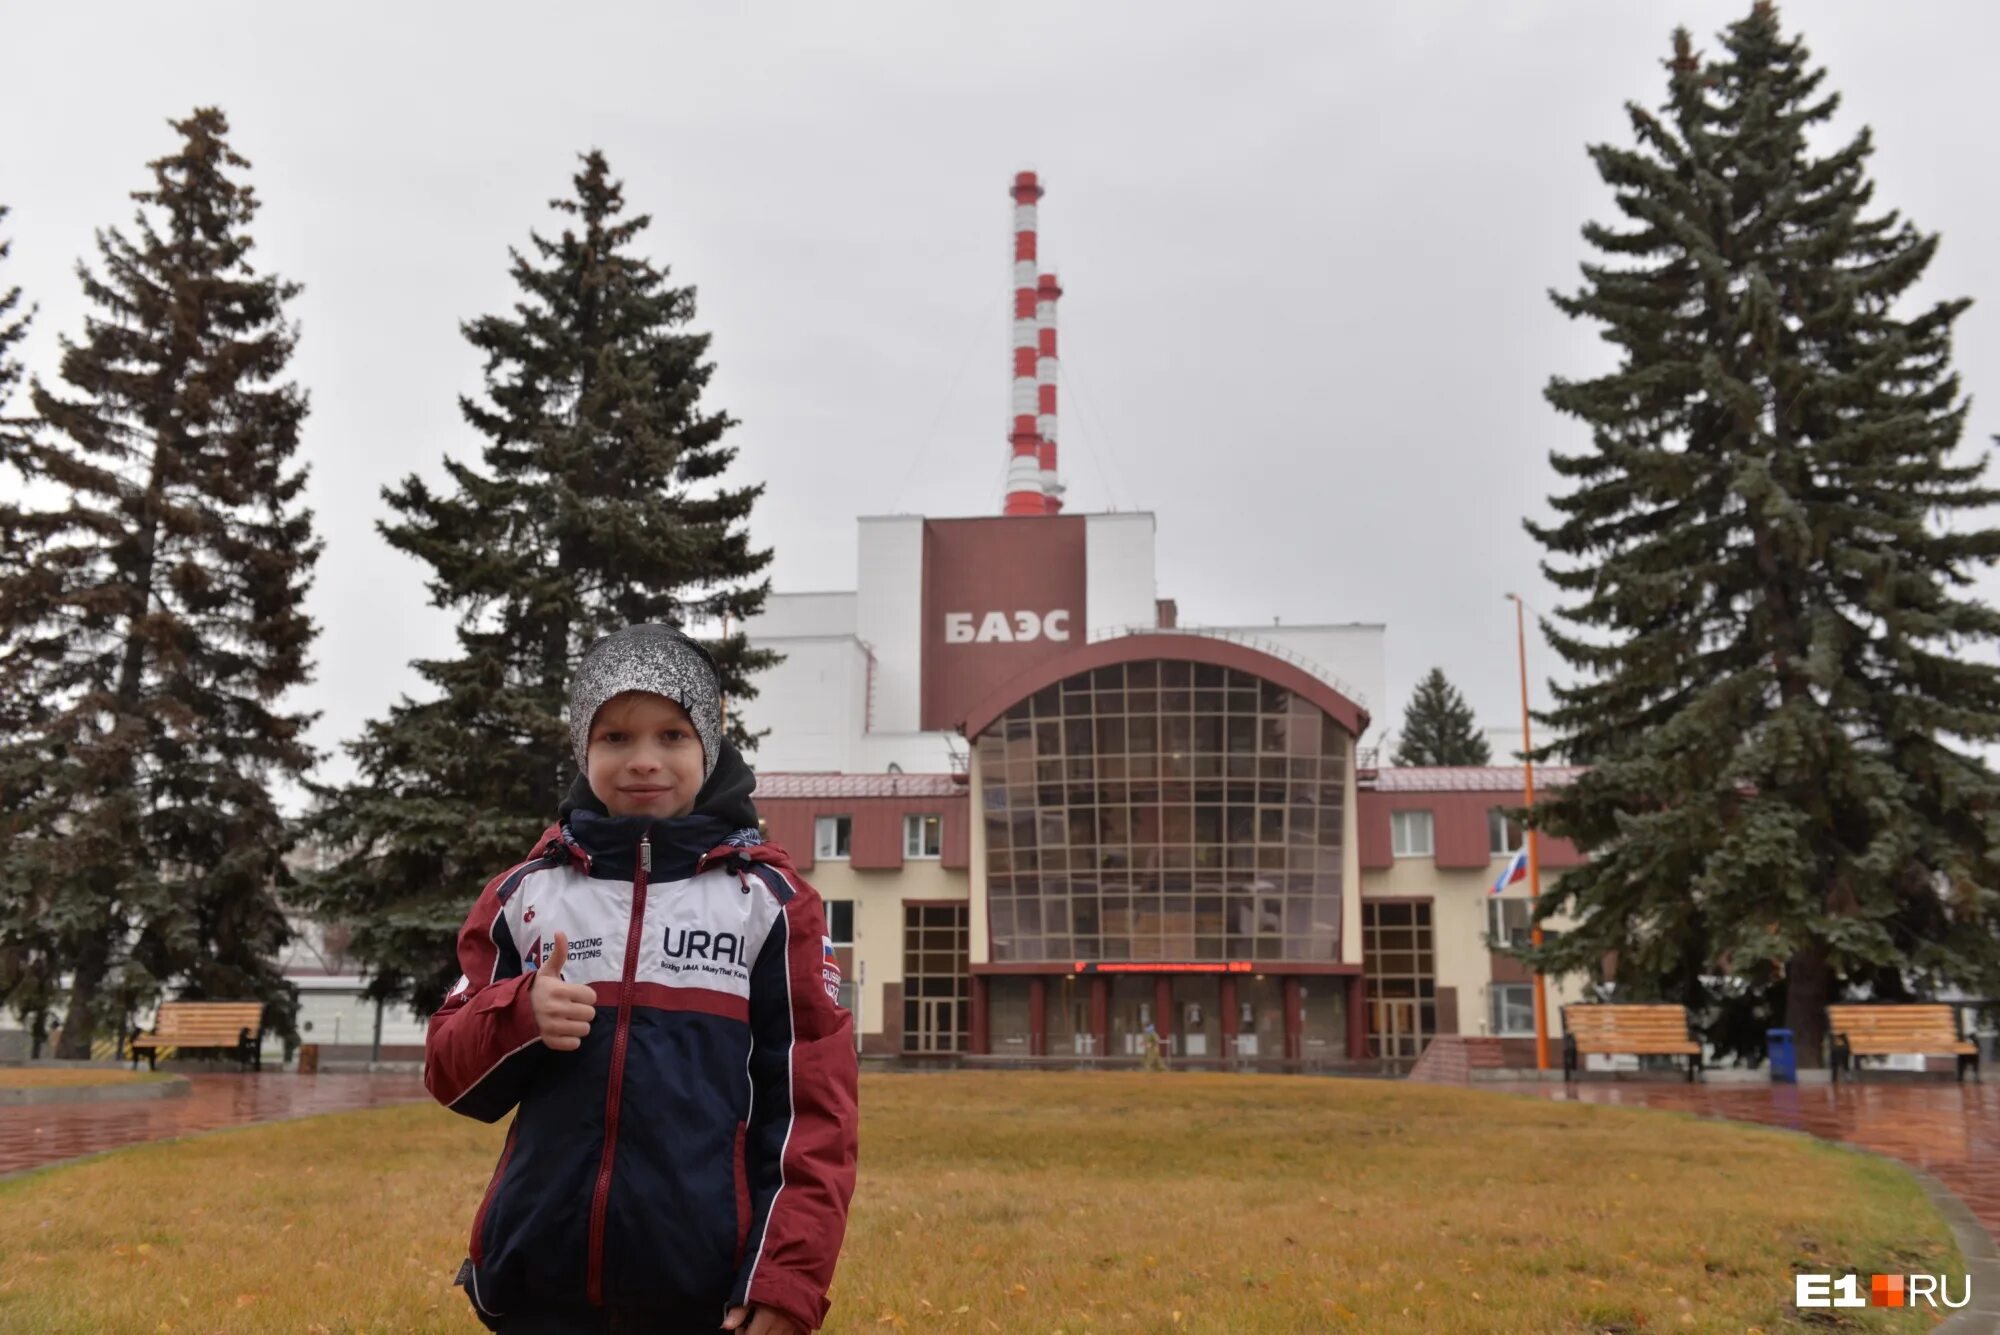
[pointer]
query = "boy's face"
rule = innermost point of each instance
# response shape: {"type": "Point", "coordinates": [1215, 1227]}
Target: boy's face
{"type": "Point", "coordinates": [644, 758]}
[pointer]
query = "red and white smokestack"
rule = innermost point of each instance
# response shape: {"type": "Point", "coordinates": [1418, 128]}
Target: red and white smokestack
{"type": "Point", "coordinates": [1047, 291]}
{"type": "Point", "coordinates": [1024, 472]}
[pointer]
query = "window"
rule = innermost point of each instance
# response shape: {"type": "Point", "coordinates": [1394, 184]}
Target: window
{"type": "Point", "coordinates": [832, 835]}
{"type": "Point", "coordinates": [1410, 834]}
{"type": "Point", "coordinates": [1509, 922]}
{"type": "Point", "coordinates": [1513, 1008]}
{"type": "Point", "coordinates": [1162, 810]}
{"type": "Point", "coordinates": [840, 921]}
{"type": "Point", "coordinates": [923, 836]}
{"type": "Point", "coordinates": [1397, 956]}
{"type": "Point", "coordinates": [1503, 836]}
{"type": "Point", "coordinates": [937, 985]}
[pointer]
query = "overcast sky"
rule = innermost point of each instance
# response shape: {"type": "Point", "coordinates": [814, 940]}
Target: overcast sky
{"type": "Point", "coordinates": [1305, 249]}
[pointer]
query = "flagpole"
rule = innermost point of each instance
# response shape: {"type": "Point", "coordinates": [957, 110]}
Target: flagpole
{"type": "Point", "coordinates": [1534, 849]}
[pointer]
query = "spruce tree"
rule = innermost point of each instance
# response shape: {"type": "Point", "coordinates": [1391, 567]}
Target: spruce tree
{"type": "Point", "coordinates": [1439, 728]}
{"type": "Point", "coordinates": [151, 618]}
{"type": "Point", "coordinates": [29, 975]}
{"type": "Point", "coordinates": [1765, 554]}
{"type": "Point", "coordinates": [13, 328]}
{"type": "Point", "coordinates": [597, 507]}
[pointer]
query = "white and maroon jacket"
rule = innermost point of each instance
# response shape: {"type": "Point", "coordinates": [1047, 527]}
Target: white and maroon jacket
{"type": "Point", "coordinates": [698, 1151]}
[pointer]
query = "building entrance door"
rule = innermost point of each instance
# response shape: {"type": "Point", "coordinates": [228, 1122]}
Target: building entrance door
{"type": "Point", "coordinates": [936, 1025]}
{"type": "Point", "coordinates": [1398, 1034]}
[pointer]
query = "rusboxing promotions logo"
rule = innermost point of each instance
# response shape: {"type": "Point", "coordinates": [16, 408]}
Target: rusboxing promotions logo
{"type": "Point", "coordinates": [1882, 1291]}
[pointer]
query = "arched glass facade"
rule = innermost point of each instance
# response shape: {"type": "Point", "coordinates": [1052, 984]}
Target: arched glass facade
{"type": "Point", "coordinates": [1164, 810]}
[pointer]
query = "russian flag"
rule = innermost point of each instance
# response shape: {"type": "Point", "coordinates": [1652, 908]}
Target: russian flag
{"type": "Point", "coordinates": [1517, 869]}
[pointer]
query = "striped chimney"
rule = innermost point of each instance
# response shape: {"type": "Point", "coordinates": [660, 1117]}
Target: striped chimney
{"type": "Point", "coordinates": [1024, 472]}
{"type": "Point", "coordinates": [1047, 291]}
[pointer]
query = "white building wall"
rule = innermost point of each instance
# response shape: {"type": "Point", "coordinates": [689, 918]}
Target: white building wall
{"type": "Point", "coordinates": [1354, 655]}
{"type": "Point", "coordinates": [1120, 584]}
{"type": "Point", "coordinates": [812, 614]}
{"type": "Point", "coordinates": [889, 614]}
{"type": "Point", "coordinates": [813, 703]}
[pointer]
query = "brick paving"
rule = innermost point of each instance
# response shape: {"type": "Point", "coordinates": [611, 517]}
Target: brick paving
{"type": "Point", "coordinates": [1949, 1130]}
{"type": "Point", "coordinates": [38, 1134]}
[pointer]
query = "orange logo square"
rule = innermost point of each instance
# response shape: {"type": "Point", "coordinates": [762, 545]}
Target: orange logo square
{"type": "Point", "coordinates": [1885, 1291]}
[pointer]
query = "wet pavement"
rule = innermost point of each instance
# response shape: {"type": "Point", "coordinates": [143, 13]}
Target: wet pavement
{"type": "Point", "coordinates": [38, 1134]}
{"type": "Point", "coordinates": [1948, 1130]}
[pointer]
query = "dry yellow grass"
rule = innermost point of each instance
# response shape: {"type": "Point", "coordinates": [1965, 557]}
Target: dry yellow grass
{"type": "Point", "coordinates": [48, 1077]}
{"type": "Point", "coordinates": [1043, 1202]}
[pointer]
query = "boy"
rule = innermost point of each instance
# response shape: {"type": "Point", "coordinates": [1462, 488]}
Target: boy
{"type": "Point", "coordinates": [655, 990]}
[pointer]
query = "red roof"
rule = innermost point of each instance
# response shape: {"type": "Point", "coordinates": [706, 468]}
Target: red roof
{"type": "Point", "coordinates": [1470, 778]}
{"type": "Point", "coordinates": [830, 783]}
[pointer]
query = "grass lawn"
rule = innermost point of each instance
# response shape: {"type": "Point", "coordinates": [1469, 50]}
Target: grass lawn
{"type": "Point", "coordinates": [1047, 1202]}
{"type": "Point", "coordinates": [49, 1077]}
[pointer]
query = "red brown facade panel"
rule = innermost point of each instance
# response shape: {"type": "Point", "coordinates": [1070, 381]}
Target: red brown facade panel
{"type": "Point", "coordinates": [999, 597]}
{"type": "Point", "coordinates": [1461, 835]}
{"type": "Point", "coordinates": [875, 839]}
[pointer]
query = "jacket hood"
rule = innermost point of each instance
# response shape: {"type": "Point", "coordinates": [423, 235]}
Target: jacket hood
{"type": "Point", "coordinates": [723, 815]}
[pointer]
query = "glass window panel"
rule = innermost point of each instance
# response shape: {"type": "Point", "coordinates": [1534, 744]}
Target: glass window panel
{"type": "Point", "coordinates": [1175, 672]}
{"type": "Point", "coordinates": [1110, 736]}
{"type": "Point", "coordinates": [1274, 729]}
{"type": "Point", "coordinates": [1242, 737]}
{"type": "Point", "coordinates": [1046, 702]}
{"type": "Point", "coordinates": [1053, 826]}
{"type": "Point", "coordinates": [1076, 706]}
{"type": "Point", "coordinates": [1142, 702]}
{"type": "Point", "coordinates": [1076, 738]}
{"type": "Point", "coordinates": [1142, 735]}
{"type": "Point", "coordinates": [1112, 677]}
{"type": "Point", "coordinates": [1270, 825]}
{"type": "Point", "coordinates": [1173, 702]}
{"type": "Point", "coordinates": [1275, 699]}
{"type": "Point", "coordinates": [1177, 825]}
{"type": "Point", "coordinates": [1210, 675]}
{"type": "Point", "coordinates": [1083, 825]}
{"type": "Point", "coordinates": [1209, 702]}
{"type": "Point", "coordinates": [1208, 824]}
{"type": "Point", "coordinates": [1208, 732]}
{"type": "Point", "coordinates": [1142, 674]}
{"type": "Point", "coordinates": [1243, 700]}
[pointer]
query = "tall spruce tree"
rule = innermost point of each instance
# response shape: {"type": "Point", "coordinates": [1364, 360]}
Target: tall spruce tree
{"type": "Point", "coordinates": [1783, 680]}
{"type": "Point", "coordinates": [13, 328]}
{"type": "Point", "coordinates": [151, 618]}
{"type": "Point", "coordinates": [29, 976]}
{"type": "Point", "coordinates": [598, 507]}
{"type": "Point", "coordinates": [1439, 728]}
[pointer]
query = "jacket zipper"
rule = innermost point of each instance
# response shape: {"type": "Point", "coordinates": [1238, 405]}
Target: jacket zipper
{"type": "Point", "coordinates": [601, 1200]}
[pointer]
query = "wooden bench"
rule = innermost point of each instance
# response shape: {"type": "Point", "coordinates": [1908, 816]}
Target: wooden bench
{"type": "Point", "coordinates": [1882, 1028]}
{"type": "Point", "coordinates": [1650, 1031]}
{"type": "Point", "coordinates": [235, 1026]}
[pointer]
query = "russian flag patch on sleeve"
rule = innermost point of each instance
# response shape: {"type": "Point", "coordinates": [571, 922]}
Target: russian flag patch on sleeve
{"type": "Point", "coordinates": [829, 969]}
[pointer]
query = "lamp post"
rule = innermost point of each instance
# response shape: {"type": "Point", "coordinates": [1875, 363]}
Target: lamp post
{"type": "Point", "coordinates": [1534, 850]}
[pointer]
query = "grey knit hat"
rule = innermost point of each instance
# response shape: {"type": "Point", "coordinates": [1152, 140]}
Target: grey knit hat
{"type": "Point", "coordinates": [649, 657]}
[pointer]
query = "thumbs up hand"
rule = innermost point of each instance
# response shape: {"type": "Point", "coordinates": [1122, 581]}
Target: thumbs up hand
{"type": "Point", "coordinates": [563, 1011]}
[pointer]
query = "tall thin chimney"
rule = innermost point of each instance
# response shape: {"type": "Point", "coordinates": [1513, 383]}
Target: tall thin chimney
{"type": "Point", "coordinates": [1024, 473]}
{"type": "Point", "coordinates": [1048, 291]}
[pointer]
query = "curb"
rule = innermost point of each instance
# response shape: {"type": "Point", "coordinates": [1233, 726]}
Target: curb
{"type": "Point", "coordinates": [1982, 1259]}
{"type": "Point", "coordinates": [174, 1087]}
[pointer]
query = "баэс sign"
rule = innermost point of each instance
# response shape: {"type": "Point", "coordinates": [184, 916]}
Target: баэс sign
{"type": "Point", "coordinates": [1001, 594]}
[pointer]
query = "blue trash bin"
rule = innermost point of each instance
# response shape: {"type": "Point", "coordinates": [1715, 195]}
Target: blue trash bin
{"type": "Point", "coordinates": [1784, 1057]}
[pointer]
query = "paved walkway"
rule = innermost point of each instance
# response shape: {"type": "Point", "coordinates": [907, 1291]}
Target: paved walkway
{"type": "Point", "coordinates": [1951, 1131]}
{"type": "Point", "coordinates": [37, 1134]}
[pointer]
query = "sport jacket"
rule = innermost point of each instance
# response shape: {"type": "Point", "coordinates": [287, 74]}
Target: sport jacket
{"type": "Point", "coordinates": [698, 1151]}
